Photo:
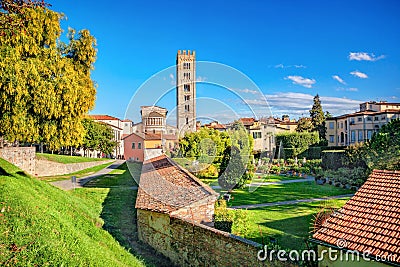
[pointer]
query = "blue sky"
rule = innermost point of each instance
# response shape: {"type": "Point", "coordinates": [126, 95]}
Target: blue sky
{"type": "Point", "coordinates": [346, 51]}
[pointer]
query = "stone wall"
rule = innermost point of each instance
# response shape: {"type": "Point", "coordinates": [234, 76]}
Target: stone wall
{"type": "Point", "coordinates": [22, 157]}
{"type": "Point", "coordinates": [51, 168]}
{"type": "Point", "coordinates": [192, 244]}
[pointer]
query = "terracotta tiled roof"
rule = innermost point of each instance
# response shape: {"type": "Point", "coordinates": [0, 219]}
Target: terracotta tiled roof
{"type": "Point", "coordinates": [247, 121]}
{"type": "Point", "coordinates": [103, 117]}
{"type": "Point", "coordinates": [158, 136]}
{"type": "Point", "coordinates": [166, 187]}
{"type": "Point", "coordinates": [152, 136]}
{"type": "Point", "coordinates": [370, 220]}
{"type": "Point", "coordinates": [127, 120]}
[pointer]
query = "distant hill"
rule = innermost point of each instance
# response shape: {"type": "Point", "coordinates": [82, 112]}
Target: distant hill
{"type": "Point", "coordinates": [40, 225]}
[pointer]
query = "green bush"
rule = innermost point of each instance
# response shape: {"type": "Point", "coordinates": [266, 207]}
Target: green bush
{"type": "Point", "coordinates": [298, 142]}
{"type": "Point", "coordinates": [240, 222]}
{"type": "Point", "coordinates": [332, 160]}
{"type": "Point", "coordinates": [210, 171]}
{"type": "Point", "coordinates": [231, 221]}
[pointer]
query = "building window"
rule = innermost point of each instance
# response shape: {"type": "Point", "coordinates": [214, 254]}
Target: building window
{"type": "Point", "coordinates": [139, 145]}
{"type": "Point", "coordinates": [186, 75]}
{"type": "Point", "coordinates": [352, 121]}
{"type": "Point", "coordinates": [256, 135]}
{"type": "Point", "coordinates": [341, 125]}
{"type": "Point", "coordinates": [331, 139]}
{"type": "Point", "coordinates": [186, 87]}
{"type": "Point", "coordinates": [360, 136]}
{"type": "Point", "coordinates": [369, 118]}
{"type": "Point", "coordinates": [353, 136]}
{"type": "Point", "coordinates": [359, 119]}
{"type": "Point", "coordinates": [331, 125]}
{"type": "Point", "coordinates": [383, 118]}
{"type": "Point", "coordinates": [187, 120]}
{"type": "Point", "coordinates": [376, 118]}
{"type": "Point", "coordinates": [369, 134]}
{"type": "Point", "coordinates": [187, 108]}
{"type": "Point", "coordinates": [133, 145]}
{"type": "Point", "coordinates": [187, 97]}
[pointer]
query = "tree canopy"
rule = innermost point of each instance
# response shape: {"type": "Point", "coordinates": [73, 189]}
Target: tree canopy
{"type": "Point", "coordinates": [383, 150]}
{"type": "Point", "coordinates": [98, 136]}
{"type": "Point", "coordinates": [45, 86]}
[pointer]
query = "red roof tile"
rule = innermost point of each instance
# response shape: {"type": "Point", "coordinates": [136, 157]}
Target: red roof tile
{"type": "Point", "coordinates": [165, 187]}
{"type": "Point", "coordinates": [103, 117]}
{"type": "Point", "coordinates": [370, 220]}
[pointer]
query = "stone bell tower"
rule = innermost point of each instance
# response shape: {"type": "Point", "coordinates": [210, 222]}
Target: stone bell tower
{"type": "Point", "coordinates": [186, 91]}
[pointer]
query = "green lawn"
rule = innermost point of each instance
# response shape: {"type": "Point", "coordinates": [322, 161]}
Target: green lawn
{"type": "Point", "coordinates": [78, 174]}
{"type": "Point", "coordinates": [272, 178]}
{"type": "Point", "coordinates": [120, 177]}
{"type": "Point", "coordinates": [284, 192]}
{"type": "Point", "coordinates": [66, 159]}
{"type": "Point", "coordinates": [289, 224]}
{"type": "Point", "coordinates": [41, 225]}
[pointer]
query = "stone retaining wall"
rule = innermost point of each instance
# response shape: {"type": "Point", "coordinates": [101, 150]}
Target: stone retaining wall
{"type": "Point", "coordinates": [192, 244]}
{"type": "Point", "coordinates": [25, 159]}
{"type": "Point", "coordinates": [51, 168]}
{"type": "Point", "coordinates": [22, 157]}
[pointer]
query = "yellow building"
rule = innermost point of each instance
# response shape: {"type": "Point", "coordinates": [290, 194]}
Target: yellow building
{"type": "Point", "coordinates": [358, 127]}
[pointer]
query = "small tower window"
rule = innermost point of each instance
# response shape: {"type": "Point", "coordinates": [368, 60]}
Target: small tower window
{"type": "Point", "coordinates": [187, 120]}
{"type": "Point", "coordinates": [186, 87]}
{"type": "Point", "coordinates": [187, 97]}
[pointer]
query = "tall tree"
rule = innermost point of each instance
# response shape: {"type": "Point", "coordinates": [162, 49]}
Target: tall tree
{"type": "Point", "coordinates": [45, 88]}
{"type": "Point", "coordinates": [318, 118]}
{"type": "Point", "coordinates": [232, 173]}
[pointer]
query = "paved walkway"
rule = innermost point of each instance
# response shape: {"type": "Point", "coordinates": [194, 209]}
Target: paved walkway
{"type": "Point", "coordinates": [289, 202]}
{"type": "Point", "coordinates": [308, 179]}
{"type": "Point", "coordinates": [67, 184]}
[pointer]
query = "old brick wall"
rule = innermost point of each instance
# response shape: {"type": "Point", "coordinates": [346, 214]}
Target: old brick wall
{"type": "Point", "coordinates": [51, 168]}
{"type": "Point", "coordinates": [193, 244]}
{"type": "Point", "coordinates": [22, 157]}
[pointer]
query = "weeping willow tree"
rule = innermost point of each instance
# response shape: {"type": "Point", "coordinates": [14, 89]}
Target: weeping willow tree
{"type": "Point", "coordinates": [45, 85]}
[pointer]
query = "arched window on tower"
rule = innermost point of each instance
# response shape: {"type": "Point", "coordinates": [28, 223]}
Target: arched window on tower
{"type": "Point", "coordinates": [186, 88]}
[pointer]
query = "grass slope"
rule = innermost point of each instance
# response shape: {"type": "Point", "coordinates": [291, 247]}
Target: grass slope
{"type": "Point", "coordinates": [41, 225]}
{"type": "Point", "coordinates": [66, 159]}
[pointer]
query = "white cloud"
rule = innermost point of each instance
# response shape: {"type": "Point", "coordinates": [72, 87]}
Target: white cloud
{"type": "Point", "coordinates": [246, 91]}
{"type": "Point", "coordinates": [171, 76]}
{"type": "Point", "coordinates": [306, 82]}
{"type": "Point", "coordinates": [299, 104]}
{"type": "Point", "coordinates": [351, 89]}
{"type": "Point", "coordinates": [281, 66]}
{"type": "Point", "coordinates": [359, 74]}
{"type": "Point", "coordinates": [359, 56]}
{"type": "Point", "coordinates": [337, 78]}
{"type": "Point", "coordinates": [201, 79]}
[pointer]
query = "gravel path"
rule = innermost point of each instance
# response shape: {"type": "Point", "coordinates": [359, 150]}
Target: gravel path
{"type": "Point", "coordinates": [308, 179]}
{"type": "Point", "coordinates": [289, 202]}
{"type": "Point", "coordinates": [67, 184]}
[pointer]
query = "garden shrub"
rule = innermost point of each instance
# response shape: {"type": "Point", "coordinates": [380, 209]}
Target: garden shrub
{"type": "Point", "coordinates": [332, 160]}
{"type": "Point", "coordinates": [229, 220]}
